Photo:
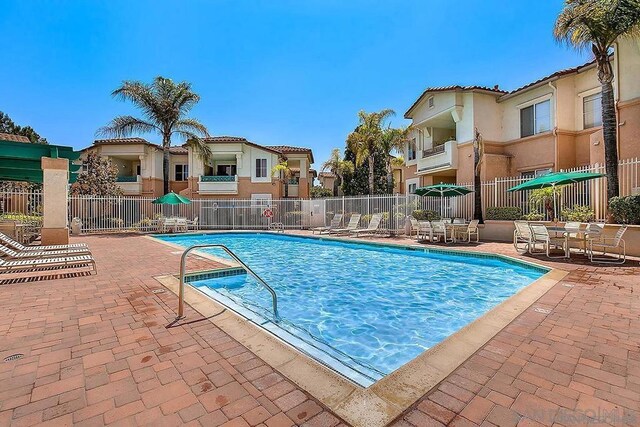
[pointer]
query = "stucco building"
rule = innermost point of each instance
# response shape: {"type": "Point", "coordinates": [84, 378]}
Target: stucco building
{"type": "Point", "coordinates": [551, 124]}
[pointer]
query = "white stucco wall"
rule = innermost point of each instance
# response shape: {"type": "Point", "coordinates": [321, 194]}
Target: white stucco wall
{"type": "Point", "coordinates": [628, 65]}
{"type": "Point", "coordinates": [512, 106]}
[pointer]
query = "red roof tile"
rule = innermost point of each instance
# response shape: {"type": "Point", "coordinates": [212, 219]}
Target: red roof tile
{"type": "Point", "coordinates": [13, 138]}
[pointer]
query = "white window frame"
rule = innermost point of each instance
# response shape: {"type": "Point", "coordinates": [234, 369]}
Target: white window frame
{"type": "Point", "coordinates": [431, 102]}
{"type": "Point", "coordinates": [266, 168]}
{"type": "Point", "coordinates": [411, 182]}
{"type": "Point", "coordinates": [583, 96]}
{"type": "Point", "coordinates": [184, 172]}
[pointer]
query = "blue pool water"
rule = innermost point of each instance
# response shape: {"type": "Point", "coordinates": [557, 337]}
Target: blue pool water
{"type": "Point", "coordinates": [375, 307]}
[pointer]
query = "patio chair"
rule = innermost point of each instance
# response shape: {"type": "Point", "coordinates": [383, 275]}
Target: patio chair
{"type": "Point", "coordinates": [440, 229]}
{"type": "Point", "coordinates": [168, 224]}
{"type": "Point", "coordinates": [609, 243]}
{"type": "Point", "coordinates": [468, 232]}
{"type": "Point", "coordinates": [521, 235]}
{"type": "Point", "coordinates": [576, 232]}
{"type": "Point", "coordinates": [426, 230]}
{"type": "Point", "coordinates": [29, 265]}
{"type": "Point", "coordinates": [414, 227]}
{"type": "Point", "coordinates": [372, 228]}
{"type": "Point", "coordinates": [446, 220]}
{"type": "Point", "coordinates": [540, 235]}
{"type": "Point", "coordinates": [352, 225]}
{"type": "Point", "coordinates": [15, 245]}
{"type": "Point", "coordinates": [182, 225]}
{"type": "Point", "coordinates": [11, 254]}
{"type": "Point", "coordinates": [193, 224]}
{"type": "Point", "coordinates": [335, 223]}
{"type": "Point", "coordinates": [459, 221]}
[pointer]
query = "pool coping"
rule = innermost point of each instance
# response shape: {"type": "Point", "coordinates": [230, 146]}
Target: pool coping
{"type": "Point", "coordinates": [385, 400]}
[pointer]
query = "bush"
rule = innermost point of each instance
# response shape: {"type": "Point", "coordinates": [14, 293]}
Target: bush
{"type": "Point", "coordinates": [318, 192]}
{"type": "Point", "coordinates": [425, 215]}
{"type": "Point", "coordinates": [534, 216]}
{"type": "Point", "coordinates": [20, 217]}
{"type": "Point", "coordinates": [625, 210]}
{"type": "Point", "coordinates": [578, 213]}
{"type": "Point", "coordinates": [506, 213]}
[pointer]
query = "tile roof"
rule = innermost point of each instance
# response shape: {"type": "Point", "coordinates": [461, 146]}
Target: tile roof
{"type": "Point", "coordinates": [120, 141]}
{"type": "Point", "coordinates": [225, 138]}
{"type": "Point", "coordinates": [13, 138]}
{"type": "Point", "coordinates": [178, 150]}
{"type": "Point", "coordinates": [289, 149]}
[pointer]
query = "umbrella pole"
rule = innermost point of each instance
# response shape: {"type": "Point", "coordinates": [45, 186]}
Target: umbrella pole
{"type": "Point", "coordinates": [555, 204]}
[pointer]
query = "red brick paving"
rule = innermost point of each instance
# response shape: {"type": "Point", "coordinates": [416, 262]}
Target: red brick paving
{"type": "Point", "coordinates": [97, 351]}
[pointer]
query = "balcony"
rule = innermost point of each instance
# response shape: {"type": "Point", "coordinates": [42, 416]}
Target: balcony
{"type": "Point", "coordinates": [440, 158]}
{"type": "Point", "coordinates": [218, 184]}
{"type": "Point", "coordinates": [130, 185]}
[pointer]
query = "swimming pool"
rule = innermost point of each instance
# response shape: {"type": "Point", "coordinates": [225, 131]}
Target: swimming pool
{"type": "Point", "coordinates": [362, 309]}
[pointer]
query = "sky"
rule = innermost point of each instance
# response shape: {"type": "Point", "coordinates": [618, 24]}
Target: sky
{"type": "Point", "coordinates": [277, 72]}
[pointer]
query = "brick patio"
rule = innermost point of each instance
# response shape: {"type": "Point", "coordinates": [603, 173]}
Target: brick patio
{"type": "Point", "coordinates": [102, 349]}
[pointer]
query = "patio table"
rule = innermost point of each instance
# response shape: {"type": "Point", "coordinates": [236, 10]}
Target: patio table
{"type": "Point", "coordinates": [566, 232]}
{"type": "Point", "coordinates": [453, 226]}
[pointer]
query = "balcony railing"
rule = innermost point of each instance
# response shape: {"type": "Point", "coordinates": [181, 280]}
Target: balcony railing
{"type": "Point", "coordinates": [440, 158]}
{"type": "Point", "coordinates": [130, 185]}
{"type": "Point", "coordinates": [218, 178]}
{"type": "Point", "coordinates": [433, 151]}
{"type": "Point", "coordinates": [127, 178]}
{"type": "Point", "coordinates": [218, 184]}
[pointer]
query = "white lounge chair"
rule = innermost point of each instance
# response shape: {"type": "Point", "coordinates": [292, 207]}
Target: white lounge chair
{"type": "Point", "coordinates": [335, 223]}
{"type": "Point", "coordinates": [14, 244]}
{"type": "Point", "coordinates": [27, 265]}
{"type": "Point", "coordinates": [352, 225]}
{"type": "Point", "coordinates": [468, 232]}
{"type": "Point", "coordinates": [372, 228]}
{"type": "Point", "coordinates": [522, 235]}
{"type": "Point", "coordinates": [11, 254]}
{"type": "Point", "coordinates": [609, 243]}
{"type": "Point", "coordinates": [540, 235]}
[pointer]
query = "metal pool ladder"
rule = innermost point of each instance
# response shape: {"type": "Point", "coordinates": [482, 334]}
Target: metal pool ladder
{"type": "Point", "coordinates": [183, 259]}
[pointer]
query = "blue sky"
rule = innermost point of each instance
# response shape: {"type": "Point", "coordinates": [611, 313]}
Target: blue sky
{"type": "Point", "coordinates": [292, 72]}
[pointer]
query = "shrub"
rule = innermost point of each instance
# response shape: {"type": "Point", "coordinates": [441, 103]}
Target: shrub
{"type": "Point", "coordinates": [425, 215]}
{"type": "Point", "coordinates": [318, 192]}
{"type": "Point", "coordinates": [578, 213]}
{"type": "Point", "coordinates": [625, 210]}
{"type": "Point", "coordinates": [20, 217]}
{"type": "Point", "coordinates": [534, 216]}
{"type": "Point", "coordinates": [505, 213]}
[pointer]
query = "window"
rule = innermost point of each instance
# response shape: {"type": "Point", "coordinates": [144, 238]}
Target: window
{"type": "Point", "coordinates": [430, 102]}
{"type": "Point", "coordinates": [261, 168]}
{"type": "Point", "coordinates": [182, 172]}
{"type": "Point", "coordinates": [261, 200]}
{"type": "Point", "coordinates": [535, 119]}
{"type": "Point", "coordinates": [226, 170]}
{"type": "Point", "coordinates": [412, 188]}
{"type": "Point", "coordinates": [411, 154]}
{"type": "Point", "coordinates": [592, 110]}
{"type": "Point", "coordinates": [137, 169]}
{"type": "Point", "coordinates": [536, 173]}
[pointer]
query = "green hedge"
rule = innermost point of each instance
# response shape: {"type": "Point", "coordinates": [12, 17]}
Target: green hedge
{"type": "Point", "coordinates": [625, 210]}
{"type": "Point", "coordinates": [425, 215]}
{"type": "Point", "coordinates": [507, 213]}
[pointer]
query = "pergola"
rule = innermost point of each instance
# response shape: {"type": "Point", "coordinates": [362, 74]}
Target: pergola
{"type": "Point", "coordinates": [51, 166]}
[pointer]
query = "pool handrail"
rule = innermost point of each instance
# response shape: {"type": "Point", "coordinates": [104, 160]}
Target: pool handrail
{"type": "Point", "coordinates": [274, 297]}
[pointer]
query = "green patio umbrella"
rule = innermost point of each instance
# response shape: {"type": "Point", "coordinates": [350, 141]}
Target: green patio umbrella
{"type": "Point", "coordinates": [554, 180]}
{"type": "Point", "coordinates": [443, 191]}
{"type": "Point", "coordinates": [172, 199]}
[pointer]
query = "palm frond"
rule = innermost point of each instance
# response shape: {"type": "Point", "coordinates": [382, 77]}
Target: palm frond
{"type": "Point", "coordinates": [191, 125]}
{"type": "Point", "coordinates": [201, 148]}
{"type": "Point", "coordinates": [123, 126]}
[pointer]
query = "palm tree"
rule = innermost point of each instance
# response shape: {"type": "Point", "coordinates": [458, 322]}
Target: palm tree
{"type": "Point", "coordinates": [164, 105]}
{"type": "Point", "coordinates": [597, 24]}
{"type": "Point", "coordinates": [393, 140]}
{"type": "Point", "coordinates": [478, 157]}
{"type": "Point", "coordinates": [366, 139]}
{"type": "Point", "coordinates": [283, 174]}
{"type": "Point", "coordinates": [337, 166]}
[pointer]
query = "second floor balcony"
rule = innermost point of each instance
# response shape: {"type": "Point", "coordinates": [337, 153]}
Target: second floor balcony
{"type": "Point", "coordinates": [218, 184]}
{"type": "Point", "coordinates": [439, 158]}
{"type": "Point", "coordinates": [130, 185]}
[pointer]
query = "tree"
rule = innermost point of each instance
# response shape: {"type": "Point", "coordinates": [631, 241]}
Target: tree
{"type": "Point", "coordinates": [318, 192]}
{"type": "Point", "coordinates": [8, 126]}
{"type": "Point", "coordinates": [478, 158]}
{"type": "Point", "coordinates": [597, 24]}
{"type": "Point", "coordinates": [99, 178]}
{"type": "Point", "coordinates": [356, 183]}
{"type": "Point", "coordinates": [164, 105]}
{"type": "Point", "coordinates": [282, 173]}
{"type": "Point", "coordinates": [366, 140]}
{"type": "Point", "coordinates": [339, 167]}
{"type": "Point", "coordinates": [393, 140]}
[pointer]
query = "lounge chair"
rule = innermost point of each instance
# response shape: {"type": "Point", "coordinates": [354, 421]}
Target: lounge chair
{"type": "Point", "coordinates": [522, 235]}
{"type": "Point", "coordinates": [352, 225]}
{"type": "Point", "coordinates": [11, 254]}
{"type": "Point", "coordinates": [540, 235]}
{"type": "Point", "coordinates": [27, 265]}
{"type": "Point", "coordinates": [607, 243]}
{"type": "Point", "coordinates": [335, 223]}
{"type": "Point", "coordinates": [372, 228]}
{"type": "Point", "coordinates": [15, 245]}
{"type": "Point", "coordinates": [468, 232]}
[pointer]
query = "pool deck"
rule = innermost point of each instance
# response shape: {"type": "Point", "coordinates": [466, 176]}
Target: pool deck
{"type": "Point", "coordinates": [103, 349]}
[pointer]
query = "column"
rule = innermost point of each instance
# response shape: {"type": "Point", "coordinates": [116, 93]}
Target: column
{"type": "Point", "coordinates": [55, 179]}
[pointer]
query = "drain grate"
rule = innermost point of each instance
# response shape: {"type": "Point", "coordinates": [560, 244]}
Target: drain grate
{"type": "Point", "coordinates": [157, 291]}
{"type": "Point", "coordinates": [542, 310]}
{"type": "Point", "coordinates": [13, 357]}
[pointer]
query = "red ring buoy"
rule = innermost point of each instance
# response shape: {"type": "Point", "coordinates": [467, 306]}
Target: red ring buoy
{"type": "Point", "coordinates": [267, 213]}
